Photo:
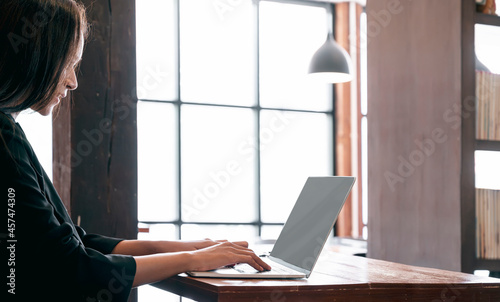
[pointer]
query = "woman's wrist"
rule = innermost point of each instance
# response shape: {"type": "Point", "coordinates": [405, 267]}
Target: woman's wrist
{"type": "Point", "coordinates": [153, 268]}
{"type": "Point", "coordinates": [163, 246]}
{"type": "Point", "coordinates": [140, 247]}
{"type": "Point", "coordinates": [181, 246]}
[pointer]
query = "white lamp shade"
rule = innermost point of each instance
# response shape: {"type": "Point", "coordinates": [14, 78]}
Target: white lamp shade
{"type": "Point", "coordinates": [331, 63]}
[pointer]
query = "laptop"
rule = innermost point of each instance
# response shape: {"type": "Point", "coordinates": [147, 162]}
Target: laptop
{"type": "Point", "coordinates": [303, 236]}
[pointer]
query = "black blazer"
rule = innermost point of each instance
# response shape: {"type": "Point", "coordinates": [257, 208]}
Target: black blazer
{"type": "Point", "coordinates": [46, 256]}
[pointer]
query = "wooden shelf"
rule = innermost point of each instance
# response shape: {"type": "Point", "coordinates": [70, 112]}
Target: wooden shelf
{"type": "Point", "coordinates": [485, 19]}
{"type": "Point", "coordinates": [488, 145]}
{"type": "Point", "coordinates": [488, 264]}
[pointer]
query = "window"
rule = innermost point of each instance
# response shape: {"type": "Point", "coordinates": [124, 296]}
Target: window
{"type": "Point", "coordinates": [364, 125]}
{"type": "Point", "coordinates": [229, 125]}
{"type": "Point", "coordinates": [228, 121]}
{"type": "Point", "coordinates": [38, 130]}
{"type": "Point", "coordinates": [487, 162]}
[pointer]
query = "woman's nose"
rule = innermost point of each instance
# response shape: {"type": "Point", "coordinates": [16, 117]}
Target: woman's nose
{"type": "Point", "coordinates": [72, 82]}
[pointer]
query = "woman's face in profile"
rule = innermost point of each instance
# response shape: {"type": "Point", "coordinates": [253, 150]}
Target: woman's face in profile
{"type": "Point", "coordinates": [68, 80]}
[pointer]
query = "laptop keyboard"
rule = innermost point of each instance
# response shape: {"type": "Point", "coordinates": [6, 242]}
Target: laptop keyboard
{"type": "Point", "coordinates": [276, 268]}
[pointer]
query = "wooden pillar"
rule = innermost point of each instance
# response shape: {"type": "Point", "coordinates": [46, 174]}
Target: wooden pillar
{"type": "Point", "coordinates": [95, 152]}
{"type": "Point", "coordinates": [414, 82]}
{"type": "Point", "coordinates": [348, 124]}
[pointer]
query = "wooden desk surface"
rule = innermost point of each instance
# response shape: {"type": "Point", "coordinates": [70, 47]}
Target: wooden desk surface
{"type": "Point", "coordinates": [339, 277]}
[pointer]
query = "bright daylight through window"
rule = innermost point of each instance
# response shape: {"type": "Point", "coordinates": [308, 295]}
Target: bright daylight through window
{"type": "Point", "coordinates": [229, 125]}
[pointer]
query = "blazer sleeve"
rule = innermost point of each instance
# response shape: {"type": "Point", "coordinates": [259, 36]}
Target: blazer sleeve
{"type": "Point", "coordinates": [50, 259]}
{"type": "Point", "coordinates": [103, 244]}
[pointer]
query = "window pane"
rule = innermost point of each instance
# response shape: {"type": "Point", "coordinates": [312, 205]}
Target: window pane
{"type": "Point", "coordinates": [219, 232]}
{"type": "Point", "coordinates": [156, 47]}
{"type": "Point", "coordinates": [38, 130]}
{"type": "Point", "coordinates": [159, 232]}
{"type": "Point", "coordinates": [294, 146]}
{"type": "Point", "coordinates": [488, 46]}
{"type": "Point", "coordinates": [157, 162]}
{"type": "Point", "coordinates": [286, 48]}
{"type": "Point", "coordinates": [271, 232]}
{"type": "Point", "coordinates": [487, 170]}
{"type": "Point", "coordinates": [148, 293]}
{"type": "Point", "coordinates": [364, 169]}
{"type": "Point", "coordinates": [218, 173]}
{"type": "Point", "coordinates": [363, 67]}
{"type": "Point", "coordinates": [217, 52]}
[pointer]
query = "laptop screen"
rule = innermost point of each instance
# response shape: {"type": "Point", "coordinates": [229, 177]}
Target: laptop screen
{"type": "Point", "coordinates": [311, 220]}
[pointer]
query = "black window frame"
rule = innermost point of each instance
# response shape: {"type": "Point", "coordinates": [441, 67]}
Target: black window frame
{"type": "Point", "coordinates": [257, 109]}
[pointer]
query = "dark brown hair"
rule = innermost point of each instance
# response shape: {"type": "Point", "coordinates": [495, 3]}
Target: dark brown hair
{"type": "Point", "coordinates": [38, 39]}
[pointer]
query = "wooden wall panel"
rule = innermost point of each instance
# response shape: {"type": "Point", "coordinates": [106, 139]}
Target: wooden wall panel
{"type": "Point", "coordinates": [414, 77]}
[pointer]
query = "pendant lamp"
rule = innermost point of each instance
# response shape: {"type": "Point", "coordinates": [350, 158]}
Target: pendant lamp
{"type": "Point", "coordinates": [331, 63]}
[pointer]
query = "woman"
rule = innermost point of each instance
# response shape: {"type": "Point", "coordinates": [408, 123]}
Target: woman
{"type": "Point", "coordinates": [48, 257]}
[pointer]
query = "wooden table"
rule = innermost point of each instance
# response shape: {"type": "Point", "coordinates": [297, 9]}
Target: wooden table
{"type": "Point", "coordinates": [340, 277]}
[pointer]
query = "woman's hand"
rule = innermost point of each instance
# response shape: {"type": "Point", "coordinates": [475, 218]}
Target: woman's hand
{"type": "Point", "coordinates": [206, 255]}
{"type": "Point", "coordinates": [224, 253]}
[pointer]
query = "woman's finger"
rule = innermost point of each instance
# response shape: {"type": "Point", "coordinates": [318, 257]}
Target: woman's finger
{"type": "Point", "coordinates": [251, 258]}
{"type": "Point", "coordinates": [241, 243]}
